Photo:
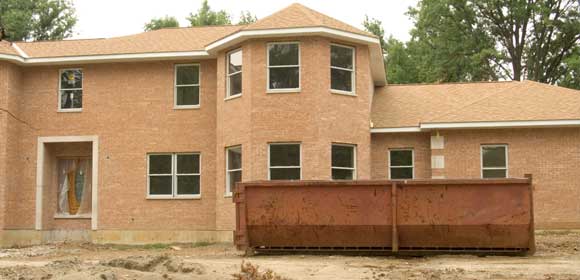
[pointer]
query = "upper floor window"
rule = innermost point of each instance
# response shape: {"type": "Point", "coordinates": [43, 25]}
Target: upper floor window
{"type": "Point", "coordinates": [343, 162]}
{"type": "Point", "coordinates": [174, 175]}
{"type": "Point", "coordinates": [401, 164]}
{"type": "Point", "coordinates": [234, 79]}
{"type": "Point", "coordinates": [233, 168]}
{"type": "Point", "coordinates": [284, 161]}
{"type": "Point", "coordinates": [70, 90]}
{"type": "Point", "coordinates": [283, 67]}
{"type": "Point", "coordinates": [494, 161]}
{"type": "Point", "coordinates": [342, 77]}
{"type": "Point", "coordinates": [186, 86]}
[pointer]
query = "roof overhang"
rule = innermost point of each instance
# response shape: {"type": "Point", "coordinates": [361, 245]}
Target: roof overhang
{"type": "Point", "coordinates": [424, 127]}
{"type": "Point", "coordinates": [376, 53]}
{"type": "Point", "coordinates": [107, 58]}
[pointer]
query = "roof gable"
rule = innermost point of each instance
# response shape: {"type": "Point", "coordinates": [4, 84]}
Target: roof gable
{"type": "Point", "coordinates": [296, 16]}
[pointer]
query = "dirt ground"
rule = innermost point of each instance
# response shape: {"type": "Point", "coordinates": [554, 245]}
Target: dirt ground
{"type": "Point", "coordinates": [557, 257]}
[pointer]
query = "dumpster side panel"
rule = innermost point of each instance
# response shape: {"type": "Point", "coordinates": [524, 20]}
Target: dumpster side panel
{"type": "Point", "coordinates": [319, 216]}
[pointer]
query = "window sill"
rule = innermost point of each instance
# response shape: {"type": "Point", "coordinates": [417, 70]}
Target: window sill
{"type": "Point", "coordinates": [182, 197]}
{"type": "Point", "coordinates": [290, 90]}
{"type": "Point", "coordinates": [233, 97]}
{"type": "Point", "coordinates": [340, 92]}
{"type": "Point", "coordinates": [69, 110]}
{"type": "Point", "coordinates": [64, 216]}
{"type": "Point", "coordinates": [228, 195]}
{"type": "Point", "coordinates": [188, 107]}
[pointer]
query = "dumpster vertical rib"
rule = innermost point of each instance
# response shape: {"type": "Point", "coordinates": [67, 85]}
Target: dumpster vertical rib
{"type": "Point", "coordinates": [395, 237]}
{"type": "Point", "coordinates": [532, 238]}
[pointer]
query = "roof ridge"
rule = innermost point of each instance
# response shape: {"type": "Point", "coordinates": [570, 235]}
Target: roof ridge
{"type": "Point", "coordinates": [478, 100]}
{"type": "Point", "coordinates": [269, 16]}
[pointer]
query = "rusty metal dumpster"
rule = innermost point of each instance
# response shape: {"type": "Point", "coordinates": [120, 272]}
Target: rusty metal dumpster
{"type": "Point", "coordinates": [414, 216]}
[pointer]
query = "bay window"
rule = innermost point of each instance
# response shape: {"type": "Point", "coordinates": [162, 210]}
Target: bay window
{"type": "Point", "coordinates": [283, 67]}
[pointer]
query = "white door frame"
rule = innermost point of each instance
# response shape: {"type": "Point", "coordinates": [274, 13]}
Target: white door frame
{"type": "Point", "coordinates": [40, 157]}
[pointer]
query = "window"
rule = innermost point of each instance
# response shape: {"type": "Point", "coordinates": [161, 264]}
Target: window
{"type": "Point", "coordinates": [233, 168]}
{"type": "Point", "coordinates": [284, 162]}
{"type": "Point", "coordinates": [174, 175]}
{"type": "Point", "coordinates": [401, 164]}
{"type": "Point", "coordinates": [234, 79]}
{"type": "Point", "coordinates": [343, 162]}
{"type": "Point", "coordinates": [186, 86]}
{"type": "Point", "coordinates": [283, 66]}
{"type": "Point", "coordinates": [494, 161]}
{"type": "Point", "coordinates": [342, 69]}
{"type": "Point", "coordinates": [71, 90]}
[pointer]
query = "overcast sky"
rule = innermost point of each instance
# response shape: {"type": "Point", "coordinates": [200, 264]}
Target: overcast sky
{"type": "Point", "coordinates": [111, 18]}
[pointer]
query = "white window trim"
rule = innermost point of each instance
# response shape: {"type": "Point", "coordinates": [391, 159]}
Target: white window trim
{"type": "Point", "coordinates": [283, 90]}
{"type": "Point", "coordinates": [175, 86]}
{"type": "Point", "coordinates": [412, 166]}
{"type": "Point", "coordinates": [228, 192]}
{"type": "Point", "coordinates": [506, 168]}
{"type": "Point", "coordinates": [354, 155]}
{"type": "Point", "coordinates": [173, 175]}
{"type": "Point", "coordinates": [353, 71]}
{"type": "Point", "coordinates": [228, 74]}
{"type": "Point", "coordinates": [285, 167]}
{"type": "Point", "coordinates": [60, 89]}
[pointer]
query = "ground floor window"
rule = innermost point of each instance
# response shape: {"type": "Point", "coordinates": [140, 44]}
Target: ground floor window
{"type": "Point", "coordinates": [343, 162]}
{"type": "Point", "coordinates": [233, 168]}
{"type": "Point", "coordinates": [174, 175]}
{"type": "Point", "coordinates": [401, 164]}
{"type": "Point", "coordinates": [74, 187]}
{"type": "Point", "coordinates": [284, 161]}
{"type": "Point", "coordinates": [494, 161]}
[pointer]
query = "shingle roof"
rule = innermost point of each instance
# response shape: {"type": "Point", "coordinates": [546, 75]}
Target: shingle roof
{"type": "Point", "coordinates": [297, 15]}
{"type": "Point", "coordinates": [177, 39]}
{"type": "Point", "coordinates": [411, 105]}
{"type": "Point", "coordinates": [163, 40]}
{"type": "Point", "coordinates": [6, 48]}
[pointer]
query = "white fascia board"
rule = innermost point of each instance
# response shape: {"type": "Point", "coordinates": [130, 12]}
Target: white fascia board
{"type": "Point", "coordinates": [503, 124]}
{"type": "Point", "coordinates": [106, 58]}
{"type": "Point", "coordinates": [116, 57]}
{"type": "Point", "coordinates": [396, 129]}
{"type": "Point", "coordinates": [282, 32]}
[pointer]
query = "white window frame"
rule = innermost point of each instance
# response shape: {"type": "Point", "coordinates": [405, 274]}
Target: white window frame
{"type": "Point", "coordinates": [60, 89]}
{"type": "Point", "coordinates": [353, 71]}
{"type": "Point", "coordinates": [175, 86]}
{"type": "Point", "coordinates": [285, 167]}
{"type": "Point", "coordinates": [228, 74]}
{"type": "Point", "coordinates": [268, 66]}
{"type": "Point", "coordinates": [228, 192]}
{"type": "Point", "coordinates": [412, 166]}
{"type": "Point", "coordinates": [354, 158]}
{"type": "Point", "coordinates": [506, 168]}
{"type": "Point", "coordinates": [173, 175]}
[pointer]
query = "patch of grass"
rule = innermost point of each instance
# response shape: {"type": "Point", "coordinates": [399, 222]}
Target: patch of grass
{"type": "Point", "coordinates": [156, 246]}
{"type": "Point", "coordinates": [201, 244]}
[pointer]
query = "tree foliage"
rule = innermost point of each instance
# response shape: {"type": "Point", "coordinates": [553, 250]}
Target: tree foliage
{"type": "Point", "coordinates": [206, 16]}
{"type": "Point", "coordinates": [159, 23]}
{"type": "Point", "coordinates": [37, 19]}
{"type": "Point", "coordinates": [475, 40]}
{"type": "Point", "coordinates": [246, 18]}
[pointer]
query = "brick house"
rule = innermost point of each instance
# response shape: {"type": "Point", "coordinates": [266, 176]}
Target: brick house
{"type": "Point", "coordinates": [141, 138]}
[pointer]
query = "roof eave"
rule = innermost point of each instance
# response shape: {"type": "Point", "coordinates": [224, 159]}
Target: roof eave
{"type": "Point", "coordinates": [426, 127]}
{"type": "Point", "coordinates": [377, 65]}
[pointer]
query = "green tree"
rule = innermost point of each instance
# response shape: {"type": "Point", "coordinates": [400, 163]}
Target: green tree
{"type": "Point", "coordinates": [37, 19]}
{"type": "Point", "coordinates": [246, 18]}
{"type": "Point", "coordinates": [159, 23]}
{"type": "Point", "coordinates": [375, 27]}
{"type": "Point", "coordinates": [450, 44]}
{"type": "Point", "coordinates": [401, 65]}
{"type": "Point", "coordinates": [206, 16]}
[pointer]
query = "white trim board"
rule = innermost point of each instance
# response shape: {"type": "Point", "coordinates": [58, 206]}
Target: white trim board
{"type": "Point", "coordinates": [479, 125]}
{"type": "Point", "coordinates": [40, 162]}
{"type": "Point", "coordinates": [107, 58]}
